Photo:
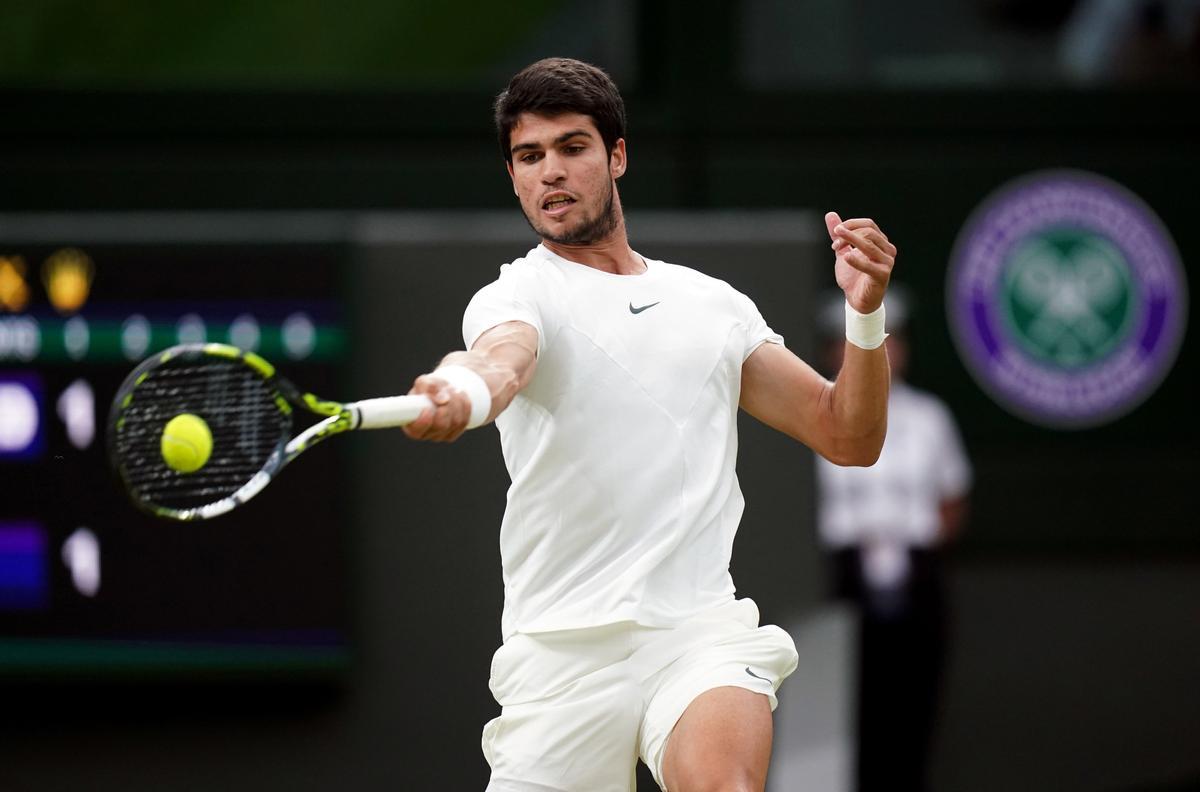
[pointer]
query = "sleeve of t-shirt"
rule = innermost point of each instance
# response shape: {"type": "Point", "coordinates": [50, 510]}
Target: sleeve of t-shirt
{"type": "Point", "coordinates": [509, 298]}
{"type": "Point", "coordinates": [757, 331]}
{"type": "Point", "coordinates": [954, 472]}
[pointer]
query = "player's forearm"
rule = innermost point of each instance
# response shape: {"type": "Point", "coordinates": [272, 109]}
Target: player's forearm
{"type": "Point", "coordinates": [506, 362]}
{"type": "Point", "coordinates": [858, 407]}
{"type": "Point", "coordinates": [503, 381]}
{"type": "Point", "coordinates": [469, 389]}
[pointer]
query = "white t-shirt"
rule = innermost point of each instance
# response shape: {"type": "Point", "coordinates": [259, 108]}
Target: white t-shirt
{"type": "Point", "coordinates": [621, 449]}
{"type": "Point", "coordinates": [896, 501]}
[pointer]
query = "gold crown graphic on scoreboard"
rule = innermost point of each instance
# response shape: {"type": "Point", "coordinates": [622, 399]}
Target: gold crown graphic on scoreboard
{"type": "Point", "coordinates": [67, 275]}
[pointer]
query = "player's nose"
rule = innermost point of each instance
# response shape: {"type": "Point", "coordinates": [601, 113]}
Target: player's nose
{"type": "Point", "coordinates": [553, 169]}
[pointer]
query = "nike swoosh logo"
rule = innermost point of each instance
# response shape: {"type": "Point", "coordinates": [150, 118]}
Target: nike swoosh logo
{"type": "Point", "coordinates": [756, 676]}
{"type": "Point", "coordinates": [633, 310]}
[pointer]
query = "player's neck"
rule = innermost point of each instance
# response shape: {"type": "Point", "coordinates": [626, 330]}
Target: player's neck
{"type": "Point", "coordinates": [614, 257]}
{"type": "Point", "coordinates": [611, 254]}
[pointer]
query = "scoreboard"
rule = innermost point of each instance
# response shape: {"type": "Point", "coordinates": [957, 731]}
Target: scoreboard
{"type": "Point", "coordinates": [87, 582]}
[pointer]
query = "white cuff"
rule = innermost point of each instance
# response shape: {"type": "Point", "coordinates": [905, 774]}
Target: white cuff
{"type": "Point", "coordinates": [471, 385]}
{"type": "Point", "coordinates": [865, 331]}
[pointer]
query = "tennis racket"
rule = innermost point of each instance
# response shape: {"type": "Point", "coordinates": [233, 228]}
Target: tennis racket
{"type": "Point", "coordinates": [251, 414]}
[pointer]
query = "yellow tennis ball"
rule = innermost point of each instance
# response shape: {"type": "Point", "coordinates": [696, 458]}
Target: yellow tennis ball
{"type": "Point", "coordinates": [186, 443]}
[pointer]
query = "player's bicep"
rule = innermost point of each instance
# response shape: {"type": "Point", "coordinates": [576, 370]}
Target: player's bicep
{"type": "Point", "coordinates": [785, 393]}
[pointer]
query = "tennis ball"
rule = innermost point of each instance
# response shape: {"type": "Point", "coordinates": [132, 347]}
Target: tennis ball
{"type": "Point", "coordinates": [186, 443]}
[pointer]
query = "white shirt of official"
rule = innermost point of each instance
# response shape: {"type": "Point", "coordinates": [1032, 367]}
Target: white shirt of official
{"type": "Point", "coordinates": [894, 504]}
{"type": "Point", "coordinates": [624, 501]}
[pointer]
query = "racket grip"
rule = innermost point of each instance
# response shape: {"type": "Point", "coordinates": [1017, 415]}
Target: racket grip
{"type": "Point", "coordinates": [389, 411]}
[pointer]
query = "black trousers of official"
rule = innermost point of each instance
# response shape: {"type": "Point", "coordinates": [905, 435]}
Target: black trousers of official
{"type": "Point", "coordinates": [902, 644]}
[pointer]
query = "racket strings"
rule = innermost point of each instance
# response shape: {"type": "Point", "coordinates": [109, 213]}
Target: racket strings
{"type": "Point", "coordinates": [240, 410]}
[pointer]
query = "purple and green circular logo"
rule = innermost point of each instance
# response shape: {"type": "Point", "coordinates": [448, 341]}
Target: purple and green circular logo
{"type": "Point", "coordinates": [1066, 298]}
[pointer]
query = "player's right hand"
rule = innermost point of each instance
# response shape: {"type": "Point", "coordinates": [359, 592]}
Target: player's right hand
{"type": "Point", "coordinates": [447, 419]}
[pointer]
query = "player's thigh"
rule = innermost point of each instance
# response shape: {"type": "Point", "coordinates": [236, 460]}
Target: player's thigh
{"type": "Point", "coordinates": [722, 741]}
{"type": "Point", "coordinates": [570, 714]}
{"type": "Point", "coordinates": [726, 653]}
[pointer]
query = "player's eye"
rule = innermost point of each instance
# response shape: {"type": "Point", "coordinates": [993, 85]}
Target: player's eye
{"type": "Point", "coordinates": [531, 157]}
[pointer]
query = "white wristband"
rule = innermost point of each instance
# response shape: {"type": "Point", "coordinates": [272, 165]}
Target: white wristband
{"type": "Point", "coordinates": [471, 385]}
{"type": "Point", "coordinates": [865, 331]}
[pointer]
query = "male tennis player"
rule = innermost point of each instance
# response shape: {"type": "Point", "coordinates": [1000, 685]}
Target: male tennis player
{"type": "Point", "coordinates": [615, 380]}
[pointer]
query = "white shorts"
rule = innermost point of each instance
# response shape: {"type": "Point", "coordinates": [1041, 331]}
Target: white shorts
{"type": "Point", "coordinates": [580, 706]}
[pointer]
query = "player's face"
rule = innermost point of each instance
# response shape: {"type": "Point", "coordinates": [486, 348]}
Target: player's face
{"type": "Point", "coordinates": [565, 179]}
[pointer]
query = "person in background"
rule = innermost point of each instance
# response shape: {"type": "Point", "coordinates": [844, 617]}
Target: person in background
{"type": "Point", "coordinates": [885, 528]}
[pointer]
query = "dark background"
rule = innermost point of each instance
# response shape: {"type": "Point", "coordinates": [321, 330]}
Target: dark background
{"type": "Point", "coordinates": [1077, 629]}
{"type": "Point", "coordinates": [243, 584]}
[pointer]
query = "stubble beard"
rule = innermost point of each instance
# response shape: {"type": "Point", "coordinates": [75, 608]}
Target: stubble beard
{"type": "Point", "coordinates": [590, 231]}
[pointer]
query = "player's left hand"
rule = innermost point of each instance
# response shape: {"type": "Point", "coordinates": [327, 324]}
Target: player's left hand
{"type": "Point", "coordinates": [864, 260]}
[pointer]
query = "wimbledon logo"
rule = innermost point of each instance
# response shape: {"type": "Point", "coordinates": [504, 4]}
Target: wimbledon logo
{"type": "Point", "coordinates": [1066, 299]}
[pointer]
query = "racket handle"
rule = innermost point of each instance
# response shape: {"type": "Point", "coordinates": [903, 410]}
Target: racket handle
{"type": "Point", "coordinates": [389, 411]}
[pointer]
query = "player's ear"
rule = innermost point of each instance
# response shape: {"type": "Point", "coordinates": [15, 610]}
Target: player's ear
{"type": "Point", "coordinates": [508, 166]}
{"type": "Point", "coordinates": [617, 159]}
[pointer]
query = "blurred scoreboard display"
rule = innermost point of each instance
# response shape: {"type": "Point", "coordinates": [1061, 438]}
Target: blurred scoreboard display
{"type": "Point", "coordinates": [89, 583]}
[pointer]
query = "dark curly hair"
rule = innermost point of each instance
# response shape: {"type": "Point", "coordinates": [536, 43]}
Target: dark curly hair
{"type": "Point", "coordinates": [553, 86]}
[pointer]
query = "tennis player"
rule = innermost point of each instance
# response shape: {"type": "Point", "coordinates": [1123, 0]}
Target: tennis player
{"type": "Point", "coordinates": [615, 380]}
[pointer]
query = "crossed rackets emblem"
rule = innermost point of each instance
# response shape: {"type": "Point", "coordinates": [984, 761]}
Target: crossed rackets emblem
{"type": "Point", "coordinates": [1068, 299]}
